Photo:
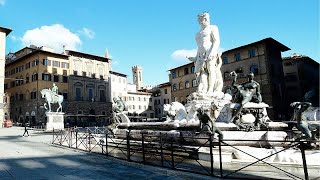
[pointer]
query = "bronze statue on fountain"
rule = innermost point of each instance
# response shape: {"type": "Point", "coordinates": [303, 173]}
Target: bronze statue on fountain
{"type": "Point", "coordinates": [249, 112]}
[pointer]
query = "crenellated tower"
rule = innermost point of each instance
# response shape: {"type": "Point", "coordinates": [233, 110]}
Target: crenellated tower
{"type": "Point", "coordinates": [137, 76]}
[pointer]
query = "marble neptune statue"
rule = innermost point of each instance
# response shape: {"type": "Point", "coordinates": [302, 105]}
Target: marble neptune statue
{"type": "Point", "coordinates": [208, 60]}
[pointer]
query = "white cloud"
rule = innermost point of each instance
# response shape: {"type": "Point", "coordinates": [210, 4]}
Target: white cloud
{"type": "Point", "coordinates": [115, 62]}
{"type": "Point", "coordinates": [13, 38]}
{"type": "Point", "coordinates": [2, 2]}
{"type": "Point", "coordinates": [183, 53]}
{"type": "Point", "coordinates": [54, 36]}
{"type": "Point", "coordinates": [87, 32]}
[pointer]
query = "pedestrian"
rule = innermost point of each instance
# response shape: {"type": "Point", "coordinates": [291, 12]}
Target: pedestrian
{"type": "Point", "coordinates": [25, 130]}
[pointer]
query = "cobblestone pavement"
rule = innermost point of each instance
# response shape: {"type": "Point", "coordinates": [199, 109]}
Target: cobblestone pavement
{"type": "Point", "coordinates": [35, 158]}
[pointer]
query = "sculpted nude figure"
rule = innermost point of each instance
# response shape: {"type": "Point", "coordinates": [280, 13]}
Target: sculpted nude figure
{"type": "Point", "coordinates": [207, 58]}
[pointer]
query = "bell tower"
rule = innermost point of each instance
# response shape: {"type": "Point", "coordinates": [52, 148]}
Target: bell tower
{"type": "Point", "coordinates": [137, 76]}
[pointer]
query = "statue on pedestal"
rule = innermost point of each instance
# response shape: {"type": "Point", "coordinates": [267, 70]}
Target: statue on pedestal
{"type": "Point", "coordinates": [208, 119]}
{"type": "Point", "coordinates": [51, 96]}
{"type": "Point", "coordinates": [250, 112]}
{"type": "Point", "coordinates": [302, 124]}
{"type": "Point", "coordinates": [208, 63]}
{"type": "Point", "coordinates": [307, 116]}
{"type": "Point", "coordinates": [55, 120]}
{"type": "Point", "coordinates": [249, 92]}
{"type": "Point", "coordinates": [207, 60]}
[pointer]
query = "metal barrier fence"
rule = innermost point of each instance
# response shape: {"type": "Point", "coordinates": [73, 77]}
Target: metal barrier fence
{"type": "Point", "coordinates": [168, 151]}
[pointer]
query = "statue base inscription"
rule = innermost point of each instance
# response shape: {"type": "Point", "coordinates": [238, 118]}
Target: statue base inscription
{"type": "Point", "coordinates": [55, 121]}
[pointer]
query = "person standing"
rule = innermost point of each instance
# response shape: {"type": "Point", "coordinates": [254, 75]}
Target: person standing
{"type": "Point", "coordinates": [25, 130]}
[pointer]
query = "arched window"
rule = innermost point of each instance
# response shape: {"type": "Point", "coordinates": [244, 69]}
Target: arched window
{"type": "Point", "coordinates": [46, 76]}
{"type": "Point", "coordinates": [192, 69]}
{"type": "Point", "coordinates": [90, 93]}
{"type": "Point", "coordinates": [21, 80]}
{"type": "Point", "coordinates": [174, 87]}
{"type": "Point", "coordinates": [186, 71]}
{"type": "Point", "coordinates": [35, 76]}
{"type": "Point", "coordinates": [17, 81]}
{"type": "Point", "coordinates": [254, 69]}
{"type": "Point", "coordinates": [180, 85]}
{"type": "Point", "coordinates": [187, 84]}
{"type": "Point", "coordinates": [56, 77]}
{"type": "Point", "coordinates": [27, 78]}
{"type": "Point", "coordinates": [194, 83]}
{"type": "Point", "coordinates": [102, 93]}
{"type": "Point", "coordinates": [78, 89]}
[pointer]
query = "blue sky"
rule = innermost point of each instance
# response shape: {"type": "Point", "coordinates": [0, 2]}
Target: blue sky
{"type": "Point", "coordinates": [157, 34]}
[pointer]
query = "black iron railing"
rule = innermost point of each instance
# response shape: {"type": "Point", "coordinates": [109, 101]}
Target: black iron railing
{"type": "Point", "coordinates": [168, 151]}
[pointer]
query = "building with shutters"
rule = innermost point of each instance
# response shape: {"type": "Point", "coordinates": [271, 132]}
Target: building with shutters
{"type": "Point", "coordinates": [81, 78]}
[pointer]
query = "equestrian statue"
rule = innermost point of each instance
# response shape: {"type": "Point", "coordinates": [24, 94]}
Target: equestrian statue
{"type": "Point", "coordinates": [51, 96]}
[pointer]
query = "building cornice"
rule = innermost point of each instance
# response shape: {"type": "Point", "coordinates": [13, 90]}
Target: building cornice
{"type": "Point", "coordinates": [117, 74]}
{"type": "Point", "coordinates": [86, 55]}
{"type": "Point", "coordinates": [34, 52]}
{"type": "Point", "coordinates": [266, 40]}
{"type": "Point", "coordinates": [5, 30]}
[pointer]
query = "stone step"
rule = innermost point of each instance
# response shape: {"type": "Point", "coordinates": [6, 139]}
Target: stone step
{"type": "Point", "coordinates": [204, 154]}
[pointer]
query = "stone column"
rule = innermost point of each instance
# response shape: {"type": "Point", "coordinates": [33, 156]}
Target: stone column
{"type": "Point", "coordinates": [3, 33]}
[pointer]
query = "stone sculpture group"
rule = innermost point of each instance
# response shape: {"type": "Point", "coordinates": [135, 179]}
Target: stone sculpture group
{"type": "Point", "coordinates": [240, 104]}
{"type": "Point", "coordinates": [203, 106]}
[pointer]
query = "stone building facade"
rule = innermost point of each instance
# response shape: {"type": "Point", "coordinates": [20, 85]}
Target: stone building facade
{"type": "Point", "coordinates": [88, 86]}
{"type": "Point", "coordinates": [183, 82]}
{"type": "Point", "coordinates": [263, 58]}
{"type": "Point", "coordinates": [139, 105]}
{"type": "Point", "coordinates": [28, 71]}
{"type": "Point", "coordinates": [118, 83]}
{"type": "Point", "coordinates": [161, 95]}
{"type": "Point", "coordinates": [301, 74]}
{"type": "Point", "coordinates": [81, 78]}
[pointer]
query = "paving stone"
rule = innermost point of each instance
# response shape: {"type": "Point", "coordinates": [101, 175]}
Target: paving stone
{"type": "Point", "coordinates": [36, 158]}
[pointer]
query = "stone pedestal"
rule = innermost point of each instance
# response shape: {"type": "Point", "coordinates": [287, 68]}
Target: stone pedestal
{"type": "Point", "coordinates": [55, 120]}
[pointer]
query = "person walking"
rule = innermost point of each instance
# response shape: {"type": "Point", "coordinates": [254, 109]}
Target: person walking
{"type": "Point", "coordinates": [25, 130]}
